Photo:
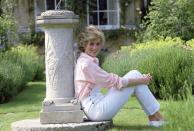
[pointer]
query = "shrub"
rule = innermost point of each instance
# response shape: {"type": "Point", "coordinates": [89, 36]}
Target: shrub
{"type": "Point", "coordinates": [119, 33]}
{"type": "Point", "coordinates": [11, 79]}
{"type": "Point", "coordinates": [30, 60]}
{"type": "Point", "coordinates": [168, 61]}
{"type": "Point", "coordinates": [32, 37]}
{"type": "Point", "coordinates": [18, 66]}
{"type": "Point", "coordinates": [191, 43]}
{"type": "Point", "coordinates": [191, 47]}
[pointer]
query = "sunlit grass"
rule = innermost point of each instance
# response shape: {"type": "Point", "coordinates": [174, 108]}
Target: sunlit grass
{"type": "Point", "coordinates": [27, 105]}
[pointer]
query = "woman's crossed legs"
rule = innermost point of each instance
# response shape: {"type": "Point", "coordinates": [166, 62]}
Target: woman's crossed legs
{"type": "Point", "coordinates": [114, 100]}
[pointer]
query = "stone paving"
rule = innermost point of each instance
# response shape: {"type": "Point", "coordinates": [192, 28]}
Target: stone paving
{"type": "Point", "coordinates": [35, 125]}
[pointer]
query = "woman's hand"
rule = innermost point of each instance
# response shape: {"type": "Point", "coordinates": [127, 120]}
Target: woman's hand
{"type": "Point", "coordinates": [146, 78]}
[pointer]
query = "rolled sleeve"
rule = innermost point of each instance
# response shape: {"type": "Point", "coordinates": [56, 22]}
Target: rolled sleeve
{"type": "Point", "coordinates": [97, 75]}
{"type": "Point", "coordinates": [88, 74]}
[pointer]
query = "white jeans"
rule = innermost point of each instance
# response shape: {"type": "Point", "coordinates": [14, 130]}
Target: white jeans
{"type": "Point", "coordinates": [98, 107]}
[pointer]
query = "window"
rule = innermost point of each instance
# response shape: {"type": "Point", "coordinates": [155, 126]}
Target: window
{"type": "Point", "coordinates": [52, 4]}
{"type": "Point", "coordinates": [104, 14]}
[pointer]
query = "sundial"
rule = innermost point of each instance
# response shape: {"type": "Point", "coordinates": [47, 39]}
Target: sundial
{"type": "Point", "coordinates": [58, 5]}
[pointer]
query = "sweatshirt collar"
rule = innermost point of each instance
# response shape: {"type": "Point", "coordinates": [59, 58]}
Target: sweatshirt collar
{"type": "Point", "coordinates": [94, 59]}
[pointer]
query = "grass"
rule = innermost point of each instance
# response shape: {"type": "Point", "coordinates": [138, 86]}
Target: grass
{"type": "Point", "coordinates": [27, 105]}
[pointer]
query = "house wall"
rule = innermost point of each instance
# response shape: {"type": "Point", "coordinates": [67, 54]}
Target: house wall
{"type": "Point", "coordinates": [138, 11]}
{"type": "Point", "coordinates": [132, 13]}
{"type": "Point", "coordinates": [27, 10]}
{"type": "Point", "coordinates": [24, 14]}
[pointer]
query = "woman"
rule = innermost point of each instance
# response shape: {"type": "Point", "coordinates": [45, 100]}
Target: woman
{"type": "Point", "coordinates": [89, 78]}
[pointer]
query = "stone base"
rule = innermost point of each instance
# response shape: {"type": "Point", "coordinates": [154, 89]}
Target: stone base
{"type": "Point", "coordinates": [35, 125]}
{"type": "Point", "coordinates": [61, 117]}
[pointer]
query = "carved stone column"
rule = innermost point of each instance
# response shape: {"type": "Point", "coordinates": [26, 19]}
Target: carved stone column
{"type": "Point", "coordinates": [59, 58]}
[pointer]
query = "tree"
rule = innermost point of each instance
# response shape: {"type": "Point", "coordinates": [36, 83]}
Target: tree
{"type": "Point", "coordinates": [7, 23]}
{"type": "Point", "coordinates": [173, 18]}
{"type": "Point", "coordinates": [1, 8]}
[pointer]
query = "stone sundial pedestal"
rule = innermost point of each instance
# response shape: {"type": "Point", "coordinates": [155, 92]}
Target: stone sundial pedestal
{"type": "Point", "coordinates": [59, 111]}
{"type": "Point", "coordinates": [59, 58]}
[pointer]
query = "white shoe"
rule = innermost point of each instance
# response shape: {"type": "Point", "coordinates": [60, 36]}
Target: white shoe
{"type": "Point", "coordinates": [156, 123]}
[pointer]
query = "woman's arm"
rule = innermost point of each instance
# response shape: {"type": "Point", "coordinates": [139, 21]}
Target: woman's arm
{"type": "Point", "coordinates": [92, 73]}
{"type": "Point", "coordinates": [144, 80]}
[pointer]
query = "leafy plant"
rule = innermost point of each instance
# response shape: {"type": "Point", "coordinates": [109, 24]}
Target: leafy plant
{"type": "Point", "coordinates": [169, 62]}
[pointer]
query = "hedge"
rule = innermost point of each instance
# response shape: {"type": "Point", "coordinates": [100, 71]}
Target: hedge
{"type": "Point", "coordinates": [170, 62]}
{"type": "Point", "coordinates": [18, 66]}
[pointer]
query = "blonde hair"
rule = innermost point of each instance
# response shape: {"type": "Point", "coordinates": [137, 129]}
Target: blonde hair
{"type": "Point", "coordinates": [90, 34]}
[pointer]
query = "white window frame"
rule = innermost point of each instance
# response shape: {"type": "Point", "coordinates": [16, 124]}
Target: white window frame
{"type": "Point", "coordinates": [108, 26]}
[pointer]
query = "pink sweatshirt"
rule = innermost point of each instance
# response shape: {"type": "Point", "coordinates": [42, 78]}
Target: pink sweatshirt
{"type": "Point", "coordinates": [88, 74]}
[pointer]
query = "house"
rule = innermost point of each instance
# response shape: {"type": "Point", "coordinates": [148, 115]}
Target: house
{"type": "Point", "coordinates": [106, 14]}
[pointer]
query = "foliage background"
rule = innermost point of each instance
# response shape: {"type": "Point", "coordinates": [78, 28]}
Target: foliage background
{"type": "Point", "coordinates": [169, 61]}
{"type": "Point", "coordinates": [168, 18]}
{"type": "Point", "coordinates": [8, 34]}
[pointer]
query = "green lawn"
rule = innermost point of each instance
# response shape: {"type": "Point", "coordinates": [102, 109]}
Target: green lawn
{"type": "Point", "coordinates": [28, 105]}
